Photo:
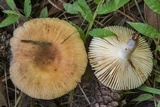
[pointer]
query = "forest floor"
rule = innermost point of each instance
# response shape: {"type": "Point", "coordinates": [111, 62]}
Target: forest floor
{"type": "Point", "coordinates": [88, 93]}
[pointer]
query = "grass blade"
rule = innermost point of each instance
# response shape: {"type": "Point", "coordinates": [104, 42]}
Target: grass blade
{"type": "Point", "coordinates": [149, 89]}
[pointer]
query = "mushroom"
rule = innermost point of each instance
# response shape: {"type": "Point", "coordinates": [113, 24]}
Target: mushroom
{"type": "Point", "coordinates": [121, 62]}
{"type": "Point", "coordinates": [49, 58]}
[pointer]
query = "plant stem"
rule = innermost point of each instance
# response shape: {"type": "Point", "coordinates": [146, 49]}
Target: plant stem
{"type": "Point", "coordinates": [94, 16]}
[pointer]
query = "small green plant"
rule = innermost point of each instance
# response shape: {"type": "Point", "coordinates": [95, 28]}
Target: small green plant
{"type": "Point", "coordinates": [80, 6]}
{"type": "Point", "coordinates": [14, 15]}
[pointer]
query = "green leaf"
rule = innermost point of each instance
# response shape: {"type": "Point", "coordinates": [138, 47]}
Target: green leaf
{"type": "Point", "coordinates": [155, 62]}
{"type": "Point", "coordinates": [111, 6]}
{"type": "Point", "coordinates": [101, 33]}
{"type": "Point", "coordinates": [149, 89]}
{"type": "Point", "coordinates": [81, 32]}
{"type": "Point", "coordinates": [27, 8]}
{"type": "Point", "coordinates": [85, 10]}
{"type": "Point", "coordinates": [11, 12]}
{"type": "Point", "coordinates": [71, 8]}
{"type": "Point", "coordinates": [97, 1]}
{"type": "Point", "coordinates": [143, 97]}
{"type": "Point", "coordinates": [145, 29]}
{"type": "Point", "coordinates": [9, 20]}
{"type": "Point", "coordinates": [157, 79]}
{"type": "Point", "coordinates": [158, 104]}
{"type": "Point", "coordinates": [156, 71]}
{"type": "Point", "coordinates": [80, 7]}
{"type": "Point", "coordinates": [11, 4]}
{"type": "Point", "coordinates": [130, 92]}
{"type": "Point", "coordinates": [44, 13]}
{"type": "Point", "coordinates": [158, 48]}
{"type": "Point", "coordinates": [154, 5]}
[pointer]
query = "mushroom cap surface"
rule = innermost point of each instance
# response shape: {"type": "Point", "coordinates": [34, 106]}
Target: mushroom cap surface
{"type": "Point", "coordinates": [49, 58]}
{"type": "Point", "coordinates": [112, 69]}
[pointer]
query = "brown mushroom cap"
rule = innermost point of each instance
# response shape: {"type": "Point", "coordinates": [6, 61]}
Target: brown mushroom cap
{"type": "Point", "coordinates": [111, 67]}
{"type": "Point", "coordinates": [49, 58]}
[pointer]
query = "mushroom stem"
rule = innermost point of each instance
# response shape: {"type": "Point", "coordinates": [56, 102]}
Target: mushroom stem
{"type": "Point", "coordinates": [39, 43]}
{"type": "Point", "coordinates": [130, 46]}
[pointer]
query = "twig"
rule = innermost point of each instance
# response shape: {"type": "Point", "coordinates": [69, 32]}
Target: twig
{"type": "Point", "coordinates": [139, 10]}
{"type": "Point", "coordinates": [55, 5]}
{"type": "Point", "coordinates": [125, 15]}
{"type": "Point", "coordinates": [20, 96]}
{"type": "Point", "coordinates": [5, 73]}
{"type": "Point", "coordinates": [84, 94]}
{"type": "Point", "coordinates": [70, 99]}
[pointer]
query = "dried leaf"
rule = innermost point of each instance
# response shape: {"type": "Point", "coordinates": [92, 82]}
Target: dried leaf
{"type": "Point", "coordinates": [154, 20]}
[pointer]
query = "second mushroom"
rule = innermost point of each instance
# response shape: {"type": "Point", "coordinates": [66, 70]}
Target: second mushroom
{"type": "Point", "coordinates": [123, 61]}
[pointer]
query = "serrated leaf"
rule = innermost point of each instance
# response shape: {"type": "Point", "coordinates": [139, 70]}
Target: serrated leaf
{"type": "Point", "coordinates": [82, 34]}
{"type": "Point", "coordinates": [101, 33]}
{"type": "Point", "coordinates": [11, 4]}
{"type": "Point", "coordinates": [149, 89]}
{"type": "Point", "coordinates": [71, 8]}
{"type": "Point", "coordinates": [111, 6]}
{"type": "Point", "coordinates": [97, 1]}
{"type": "Point", "coordinates": [27, 8]}
{"type": "Point", "coordinates": [154, 5]}
{"type": "Point", "coordinates": [9, 20]}
{"type": "Point", "coordinates": [44, 13]}
{"type": "Point", "coordinates": [142, 97]}
{"type": "Point", "coordinates": [145, 29]}
{"type": "Point", "coordinates": [85, 10]}
{"type": "Point", "coordinates": [10, 12]}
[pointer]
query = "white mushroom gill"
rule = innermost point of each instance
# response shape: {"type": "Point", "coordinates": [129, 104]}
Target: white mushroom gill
{"type": "Point", "coordinates": [121, 62]}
